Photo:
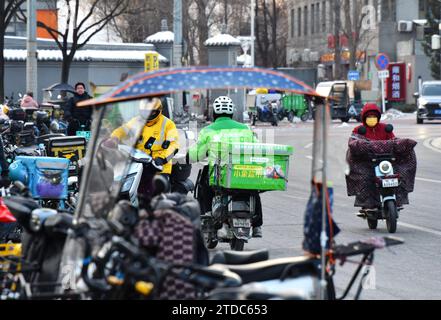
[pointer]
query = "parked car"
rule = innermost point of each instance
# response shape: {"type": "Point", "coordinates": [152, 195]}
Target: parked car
{"type": "Point", "coordinates": [429, 101]}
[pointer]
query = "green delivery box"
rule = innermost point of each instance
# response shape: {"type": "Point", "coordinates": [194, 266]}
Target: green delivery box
{"type": "Point", "coordinates": [250, 166]}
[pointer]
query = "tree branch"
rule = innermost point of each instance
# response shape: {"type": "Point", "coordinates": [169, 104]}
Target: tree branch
{"type": "Point", "coordinates": [52, 32]}
{"type": "Point", "coordinates": [112, 14]}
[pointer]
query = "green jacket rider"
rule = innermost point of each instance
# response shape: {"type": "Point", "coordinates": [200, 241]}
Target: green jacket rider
{"type": "Point", "coordinates": [223, 130]}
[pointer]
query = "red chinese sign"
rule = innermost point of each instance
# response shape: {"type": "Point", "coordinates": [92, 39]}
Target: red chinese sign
{"type": "Point", "coordinates": [396, 83]}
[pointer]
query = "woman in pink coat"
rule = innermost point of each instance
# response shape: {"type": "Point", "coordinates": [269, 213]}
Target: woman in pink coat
{"type": "Point", "coordinates": [28, 101]}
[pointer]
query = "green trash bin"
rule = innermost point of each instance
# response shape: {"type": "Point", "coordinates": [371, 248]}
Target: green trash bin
{"type": "Point", "coordinates": [294, 105]}
{"type": "Point", "coordinates": [249, 166]}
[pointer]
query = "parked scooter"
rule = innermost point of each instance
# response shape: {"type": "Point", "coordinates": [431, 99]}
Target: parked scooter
{"type": "Point", "coordinates": [37, 258]}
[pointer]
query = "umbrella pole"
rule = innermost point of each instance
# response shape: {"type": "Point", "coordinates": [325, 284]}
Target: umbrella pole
{"type": "Point", "coordinates": [323, 236]}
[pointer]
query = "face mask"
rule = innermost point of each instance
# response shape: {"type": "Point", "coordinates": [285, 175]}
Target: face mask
{"type": "Point", "coordinates": [371, 122]}
{"type": "Point", "coordinates": [144, 113]}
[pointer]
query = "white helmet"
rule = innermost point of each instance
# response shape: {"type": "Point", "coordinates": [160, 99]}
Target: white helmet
{"type": "Point", "coordinates": [223, 105]}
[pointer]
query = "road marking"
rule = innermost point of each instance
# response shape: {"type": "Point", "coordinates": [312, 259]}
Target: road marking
{"type": "Point", "coordinates": [309, 145]}
{"type": "Point", "coordinates": [427, 144]}
{"type": "Point", "coordinates": [428, 180]}
{"type": "Point", "coordinates": [309, 157]}
{"type": "Point", "coordinates": [428, 230]}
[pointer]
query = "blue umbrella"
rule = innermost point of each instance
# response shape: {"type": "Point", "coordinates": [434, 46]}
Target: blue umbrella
{"type": "Point", "coordinates": [165, 81]}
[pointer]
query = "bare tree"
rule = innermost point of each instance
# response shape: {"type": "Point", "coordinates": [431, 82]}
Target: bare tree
{"type": "Point", "coordinates": [81, 30]}
{"type": "Point", "coordinates": [8, 9]}
{"type": "Point", "coordinates": [356, 31]}
{"type": "Point", "coordinates": [353, 20]}
{"type": "Point", "coordinates": [337, 30]}
{"type": "Point", "coordinates": [141, 19]}
{"type": "Point", "coordinates": [271, 32]}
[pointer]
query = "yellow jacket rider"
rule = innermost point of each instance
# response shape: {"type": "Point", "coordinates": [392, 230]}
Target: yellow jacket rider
{"type": "Point", "coordinates": [157, 126]}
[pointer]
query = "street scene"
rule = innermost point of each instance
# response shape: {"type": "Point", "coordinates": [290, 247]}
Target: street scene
{"type": "Point", "coordinates": [194, 150]}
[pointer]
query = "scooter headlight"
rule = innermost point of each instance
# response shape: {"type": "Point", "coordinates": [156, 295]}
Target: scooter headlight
{"type": "Point", "coordinates": [385, 167]}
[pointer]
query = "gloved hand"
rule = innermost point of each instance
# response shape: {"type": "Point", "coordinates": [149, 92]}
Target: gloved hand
{"type": "Point", "coordinates": [111, 143]}
{"type": "Point", "coordinates": [160, 161]}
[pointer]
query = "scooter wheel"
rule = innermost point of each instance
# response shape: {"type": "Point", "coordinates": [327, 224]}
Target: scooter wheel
{"type": "Point", "coordinates": [372, 223]}
{"type": "Point", "coordinates": [391, 216]}
{"type": "Point", "coordinates": [237, 244]}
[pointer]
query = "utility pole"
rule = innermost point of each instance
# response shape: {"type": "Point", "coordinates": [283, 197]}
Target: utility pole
{"type": "Point", "coordinates": [31, 44]}
{"type": "Point", "coordinates": [177, 46]}
{"type": "Point", "coordinates": [252, 32]}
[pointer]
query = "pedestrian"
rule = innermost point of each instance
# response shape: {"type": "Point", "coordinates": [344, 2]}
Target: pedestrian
{"type": "Point", "coordinates": [28, 102]}
{"type": "Point", "coordinates": [75, 116]}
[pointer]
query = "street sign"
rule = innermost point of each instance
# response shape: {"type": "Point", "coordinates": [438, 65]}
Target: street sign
{"type": "Point", "coordinates": [382, 61]}
{"type": "Point", "coordinates": [353, 75]}
{"type": "Point", "coordinates": [151, 61]}
{"type": "Point", "coordinates": [383, 74]}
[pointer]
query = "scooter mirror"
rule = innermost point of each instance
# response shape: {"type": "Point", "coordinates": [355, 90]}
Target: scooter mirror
{"type": "Point", "coordinates": [362, 130]}
{"type": "Point", "coordinates": [190, 135]}
{"type": "Point", "coordinates": [165, 144]}
{"type": "Point", "coordinates": [389, 128]}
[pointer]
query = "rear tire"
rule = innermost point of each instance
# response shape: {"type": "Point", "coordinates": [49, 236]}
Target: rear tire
{"type": "Point", "coordinates": [237, 244]}
{"type": "Point", "coordinates": [344, 119]}
{"type": "Point", "coordinates": [291, 116]}
{"type": "Point", "coordinates": [304, 117]}
{"type": "Point", "coordinates": [420, 121]}
{"type": "Point", "coordinates": [391, 216]}
{"type": "Point", "coordinates": [372, 223]}
{"type": "Point", "coordinates": [254, 120]}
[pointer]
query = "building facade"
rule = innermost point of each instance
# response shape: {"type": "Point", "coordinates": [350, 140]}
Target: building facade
{"type": "Point", "coordinates": [390, 26]}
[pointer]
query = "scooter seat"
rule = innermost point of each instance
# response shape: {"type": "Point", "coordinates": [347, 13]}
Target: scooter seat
{"type": "Point", "coordinates": [26, 151]}
{"type": "Point", "coordinates": [45, 138]}
{"type": "Point", "coordinates": [237, 257]}
{"type": "Point", "coordinates": [272, 269]}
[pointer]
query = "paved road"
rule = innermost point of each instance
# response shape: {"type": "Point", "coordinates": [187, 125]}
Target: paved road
{"type": "Point", "coordinates": [409, 271]}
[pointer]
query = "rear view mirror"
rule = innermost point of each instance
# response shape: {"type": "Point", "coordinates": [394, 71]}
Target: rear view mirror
{"type": "Point", "coordinates": [362, 130]}
{"type": "Point", "coordinates": [389, 128]}
{"type": "Point", "coordinates": [149, 144]}
{"type": "Point", "coordinates": [190, 135]}
{"type": "Point", "coordinates": [416, 95]}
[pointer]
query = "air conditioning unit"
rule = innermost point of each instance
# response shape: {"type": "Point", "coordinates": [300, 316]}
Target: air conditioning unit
{"type": "Point", "coordinates": [306, 55]}
{"type": "Point", "coordinates": [315, 56]}
{"type": "Point", "coordinates": [405, 26]}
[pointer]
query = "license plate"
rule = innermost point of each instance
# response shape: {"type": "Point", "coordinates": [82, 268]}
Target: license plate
{"type": "Point", "coordinates": [437, 111]}
{"type": "Point", "coordinates": [242, 223]}
{"type": "Point", "coordinates": [390, 183]}
{"type": "Point", "coordinates": [85, 134]}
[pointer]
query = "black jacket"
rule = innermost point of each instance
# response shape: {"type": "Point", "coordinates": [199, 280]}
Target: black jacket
{"type": "Point", "coordinates": [82, 114]}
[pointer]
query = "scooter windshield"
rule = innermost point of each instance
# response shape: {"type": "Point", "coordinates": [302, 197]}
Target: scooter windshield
{"type": "Point", "coordinates": [114, 125]}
